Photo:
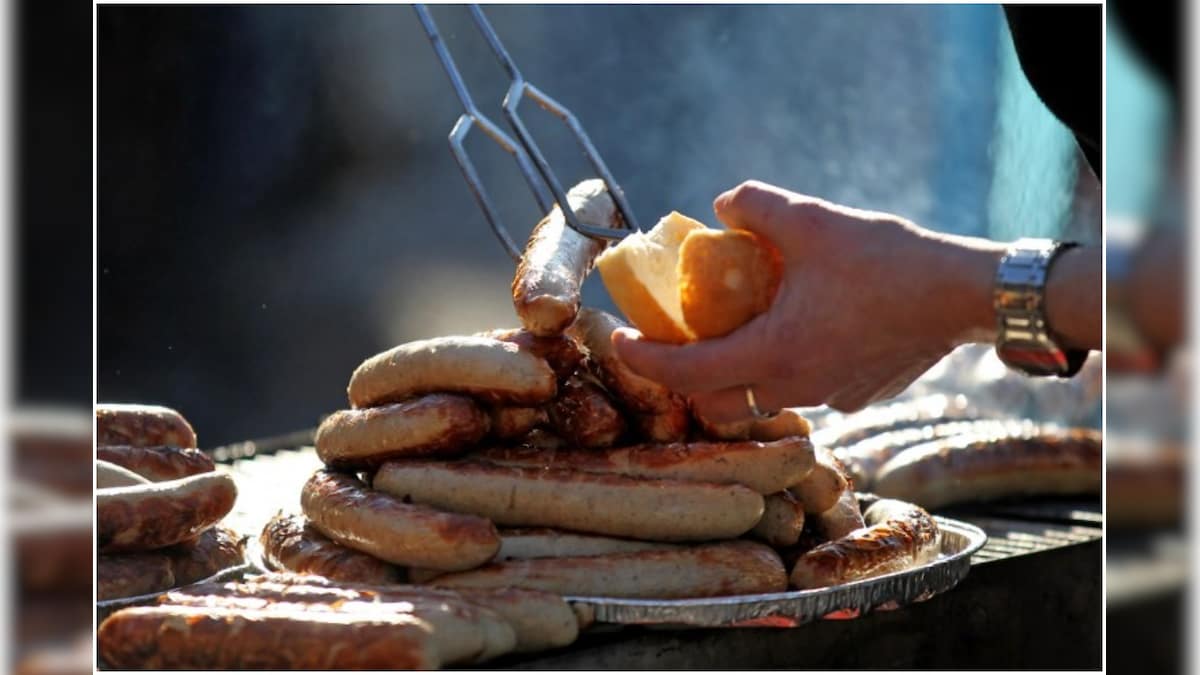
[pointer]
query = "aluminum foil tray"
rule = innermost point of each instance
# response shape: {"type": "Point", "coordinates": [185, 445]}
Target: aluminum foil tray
{"type": "Point", "coordinates": [782, 610]}
{"type": "Point", "coordinates": [959, 541]}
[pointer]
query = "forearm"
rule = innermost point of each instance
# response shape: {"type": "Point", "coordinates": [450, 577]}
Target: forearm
{"type": "Point", "coordinates": [965, 284]}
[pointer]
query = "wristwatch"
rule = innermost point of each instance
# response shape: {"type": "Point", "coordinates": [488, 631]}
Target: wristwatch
{"type": "Point", "coordinates": [1025, 343]}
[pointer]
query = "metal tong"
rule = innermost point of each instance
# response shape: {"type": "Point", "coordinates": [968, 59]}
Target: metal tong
{"type": "Point", "coordinates": [526, 148]}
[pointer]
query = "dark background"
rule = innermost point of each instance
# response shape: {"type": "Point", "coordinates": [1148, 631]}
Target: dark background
{"type": "Point", "coordinates": [277, 200]}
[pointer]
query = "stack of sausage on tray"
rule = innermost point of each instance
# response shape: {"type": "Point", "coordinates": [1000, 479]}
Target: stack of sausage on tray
{"type": "Point", "coordinates": [938, 450]}
{"type": "Point", "coordinates": [159, 504]}
{"type": "Point", "coordinates": [475, 480]}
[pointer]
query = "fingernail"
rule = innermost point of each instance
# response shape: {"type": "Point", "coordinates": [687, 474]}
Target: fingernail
{"type": "Point", "coordinates": [722, 200]}
{"type": "Point", "coordinates": [625, 334]}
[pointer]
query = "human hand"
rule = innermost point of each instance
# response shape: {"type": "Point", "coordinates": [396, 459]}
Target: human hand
{"type": "Point", "coordinates": [868, 302]}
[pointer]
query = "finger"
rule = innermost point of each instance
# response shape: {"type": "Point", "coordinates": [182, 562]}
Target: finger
{"type": "Point", "coordinates": [707, 365]}
{"type": "Point", "coordinates": [777, 214]}
{"type": "Point", "coordinates": [732, 405]}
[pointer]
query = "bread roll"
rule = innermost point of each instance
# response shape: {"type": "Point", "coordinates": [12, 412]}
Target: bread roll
{"type": "Point", "coordinates": [682, 281]}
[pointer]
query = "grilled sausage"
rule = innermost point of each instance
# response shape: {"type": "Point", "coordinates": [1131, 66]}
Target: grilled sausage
{"type": "Point", "coordinates": [782, 520]}
{"type": "Point", "coordinates": [109, 475]}
{"type": "Point", "coordinates": [541, 620]}
{"type": "Point", "coordinates": [979, 467]}
{"type": "Point", "coordinates": [543, 439]}
{"type": "Point", "coordinates": [659, 414]}
{"type": "Point", "coordinates": [765, 468]}
{"type": "Point", "coordinates": [142, 426]}
{"type": "Point", "coordinates": [840, 430]}
{"type": "Point", "coordinates": [200, 638]}
{"type": "Point", "coordinates": [661, 510]}
{"type": "Point", "coordinates": [820, 489]}
{"type": "Point", "coordinates": [290, 543]}
{"type": "Point", "coordinates": [898, 536]}
{"type": "Point", "coordinates": [728, 568]}
{"type": "Point", "coordinates": [561, 352]}
{"type": "Point", "coordinates": [434, 424]}
{"type": "Point", "coordinates": [544, 542]}
{"type": "Point", "coordinates": [483, 368]}
{"type": "Point", "coordinates": [843, 518]}
{"type": "Point", "coordinates": [863, 459]}
{"type": "Point", "coordinates": [783, 424]}
{"type": "Point", "coordinates": [353, 515]}
{"type": "Point", "coordinates": [583, 415]}
{"type": "Point", "coordinates": [147, 517]}
{"type": "Point", "coordinates": [546, 288]}
{"type": "Point", "coordinates": [124, 575]}
{"type": "Point", "coordinates": [216, 549]}
{"type": "Point", "coordinates": [511, 423]}
{"type": "Point", "coordinates": [462, 632]}
{"type": "Point", "coordinates": [158, 463]}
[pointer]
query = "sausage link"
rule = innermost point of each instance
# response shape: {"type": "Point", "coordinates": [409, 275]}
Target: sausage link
{"type": "Point", "coordinates": [142, 426]}
{"type": "Point", "coordinates": [147, 517]}
{"type": "Point", "coordinates": [158, 463]}
{"type": "Point", "coordinates": [353, 515]}
{"type": "Point", "coordinates": [290, 543]}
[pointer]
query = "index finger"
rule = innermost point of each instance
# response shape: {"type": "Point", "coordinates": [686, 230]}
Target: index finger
{"type": "Point", "coordinates": [707, 365]}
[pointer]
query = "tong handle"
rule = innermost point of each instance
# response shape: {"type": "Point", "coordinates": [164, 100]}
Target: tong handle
{"type": "Point", "coordinates": [536, 171]}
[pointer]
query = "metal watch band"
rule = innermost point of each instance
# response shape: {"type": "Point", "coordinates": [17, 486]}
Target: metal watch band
{"type": "Point", "coordinates": [1024, 340]}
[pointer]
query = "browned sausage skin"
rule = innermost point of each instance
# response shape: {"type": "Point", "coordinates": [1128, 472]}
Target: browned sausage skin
{"type": "Point", "coordinates": [351, 514]}
{"type": "Point", "coordinates": [158, 463]}
{"type": "Point", "coordinates": [142, 426]}
{"type": "Point", "coordinates": [898, 536]}
{"type": "Point", "coordinates": [546, 288]}
{"type": "Point", "coordinates": [430, 425]}
{"type": "Point", "coordinates": [290, 543]}
{"type": "Point", "coordinates": [584, 416]}
{"type": "Point", "coordinates": [203, 638]}
{"type": "Point", "coordinates": [147, 517]}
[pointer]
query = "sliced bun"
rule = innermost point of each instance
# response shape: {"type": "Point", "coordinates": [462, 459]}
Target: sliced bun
{"type": "Point", "coordinates": [640, 274]}
{"type": "Point", "coordinates": [682, 281]}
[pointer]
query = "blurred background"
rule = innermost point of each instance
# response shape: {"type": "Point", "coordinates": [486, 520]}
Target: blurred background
{"type": "Point", "coordinates": [277, 200]}
{"type": "Point", "coordinates": [1149, 375]}
{"type": "Point", "coordinates": [49, 487]}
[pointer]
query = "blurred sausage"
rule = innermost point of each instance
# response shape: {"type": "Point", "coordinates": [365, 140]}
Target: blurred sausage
{"type": "Point", "coordinates": [158, 463]}
{"type": "Point", "coordinates": [142, 426]}
{"type": "Point", "coordinates": [146, 517]}
{"type": "Point", "coordinates": [200, 638]}
{"type": "Point", "coordinates": [782, 520]}
{"type": "Point", "coordinates": [109, 475]}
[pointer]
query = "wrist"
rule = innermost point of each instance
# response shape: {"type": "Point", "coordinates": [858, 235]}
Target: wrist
{"type": "Point", "coordinates": [964, 277]}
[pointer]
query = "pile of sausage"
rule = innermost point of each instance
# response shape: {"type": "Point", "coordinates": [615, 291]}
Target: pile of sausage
{"type": "Point", "coordinates": [306, 622]}
{"type": "Point", "coordinates": [936, 451]}
{"type": "Point", "coordinates": [159, 503]}
{"type": "Point", "coordinates": [474, 480]}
